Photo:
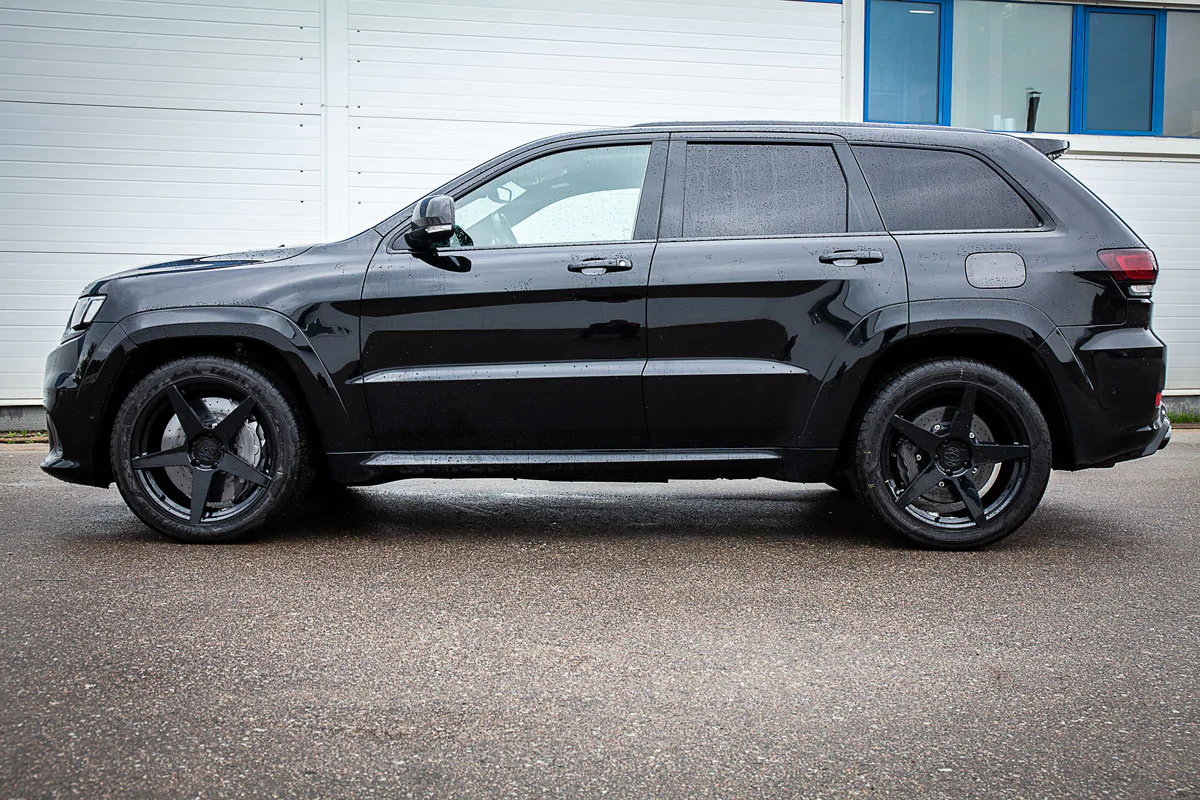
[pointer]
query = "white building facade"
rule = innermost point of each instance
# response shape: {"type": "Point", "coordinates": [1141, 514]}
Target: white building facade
{"type": "Point", "coordinates": [134, 131]}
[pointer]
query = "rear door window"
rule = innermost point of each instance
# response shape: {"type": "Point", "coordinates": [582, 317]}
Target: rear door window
{"type": "Point", "coordinates": [762, 190]}
{"type": "Point", "coordinates": [940, 190]}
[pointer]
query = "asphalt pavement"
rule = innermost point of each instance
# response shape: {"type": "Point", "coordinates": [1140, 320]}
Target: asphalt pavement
{"type": "Point", "coordinates": [721, 639]}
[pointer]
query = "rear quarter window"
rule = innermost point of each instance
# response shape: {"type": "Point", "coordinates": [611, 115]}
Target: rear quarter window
{"type": "Point", "coordinates": [940, 190]}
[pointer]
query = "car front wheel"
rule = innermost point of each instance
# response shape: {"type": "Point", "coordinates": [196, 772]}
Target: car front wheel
{"type": "Point", "coordinates": [952, 454]}
{"type": "Point", "coordinates": [205, 449]}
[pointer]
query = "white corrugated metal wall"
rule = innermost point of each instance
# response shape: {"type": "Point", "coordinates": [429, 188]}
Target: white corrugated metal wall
{"type": "Point", "coordinates": [138, 130]}
{"type": "Point", "coordinates": [135, 131]}
{"type": "Point", "coordinates": [435, 88]}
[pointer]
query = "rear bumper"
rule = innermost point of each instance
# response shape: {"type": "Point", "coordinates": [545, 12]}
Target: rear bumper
{"type": "Point", "coordinates": [1162, 433]}
{"type": "Point", "coordinates": [1111, 403]}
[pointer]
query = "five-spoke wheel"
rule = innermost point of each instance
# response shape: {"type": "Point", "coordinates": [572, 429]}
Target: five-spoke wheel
{"type": "Point", "coordinates": [206, 448]}
{"type": "Point", "coordinates": [952, 454]}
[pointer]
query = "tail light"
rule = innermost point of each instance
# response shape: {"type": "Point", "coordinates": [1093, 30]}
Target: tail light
{"type": "Point", "coordinates": [1132, 267]}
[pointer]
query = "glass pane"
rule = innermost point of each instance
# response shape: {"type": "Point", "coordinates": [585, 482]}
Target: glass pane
{"type": "Point", "coordinates": [1120, 71]}
{"type": "Point", "coordinates": [1012, 65]}
{"type": "Point", "coordinates": [1181, 112]}
{"type": "Point", "coordinates": [587, 195]}
{"type": "Point", "coordinates": [940, 190]}
{"type": "Point", "coordinates": [763, 190]}
{"type": "Point", "coordinates": [903, 82]}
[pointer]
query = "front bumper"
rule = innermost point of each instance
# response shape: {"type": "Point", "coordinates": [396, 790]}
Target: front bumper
{"type": "Point", "coordinates": [79, 377]}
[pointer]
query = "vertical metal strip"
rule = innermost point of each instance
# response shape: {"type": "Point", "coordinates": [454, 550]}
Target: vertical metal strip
{"type": "Point", "coordinates": [335, 118]}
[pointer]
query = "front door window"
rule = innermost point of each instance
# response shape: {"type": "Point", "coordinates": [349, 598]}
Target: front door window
{"type": "Point", "coordinates": [571, 197]}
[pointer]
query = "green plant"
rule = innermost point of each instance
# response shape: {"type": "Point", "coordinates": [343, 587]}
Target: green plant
{"type": "Point", "coordinates": [20, 437]}
{"type": "Point", "coordinates": [1183, 417]}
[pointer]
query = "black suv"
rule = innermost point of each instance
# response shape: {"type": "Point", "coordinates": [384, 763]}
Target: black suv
{"type": "Point", "coordinates": [930, 319]}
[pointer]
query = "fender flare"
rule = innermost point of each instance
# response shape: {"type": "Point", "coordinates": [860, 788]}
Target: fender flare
{"type": "Point", "coordinates": [336, 424]}
{"type": "Point", "coordinates": [881, 332]}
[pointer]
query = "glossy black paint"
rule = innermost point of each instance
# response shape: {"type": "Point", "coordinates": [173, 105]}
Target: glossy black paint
{"type": "Point", "coordinates": [697, 359]}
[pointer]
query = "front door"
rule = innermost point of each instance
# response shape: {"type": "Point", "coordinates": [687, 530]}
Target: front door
{"type": "Point", "coordinates": [771, 253]}
{"type": "Point", "coordinates": [526, 331]}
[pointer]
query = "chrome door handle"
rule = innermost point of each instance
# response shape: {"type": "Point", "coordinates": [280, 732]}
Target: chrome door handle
{"type": "Point", "coordinates": [851, 258]}
{"type": "Point", "coordinates": [601, 266]}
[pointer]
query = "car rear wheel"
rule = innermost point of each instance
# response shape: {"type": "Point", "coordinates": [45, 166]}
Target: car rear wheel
{"type": "Point", "coordinates": [205, 449]}
{"type": "Point", "coordinates": [952, 454]}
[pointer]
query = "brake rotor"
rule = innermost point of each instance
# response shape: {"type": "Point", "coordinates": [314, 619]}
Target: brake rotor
{"type": "Point", "coordinates": [247, 445]}
{"type": "Point", "coordinates": [943, 499]}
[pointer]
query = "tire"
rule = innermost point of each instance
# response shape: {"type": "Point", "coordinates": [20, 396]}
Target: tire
{"type": "Point", "coordinates": [206, 449]}
{"type": "Point", "coordinates": [951, 454]}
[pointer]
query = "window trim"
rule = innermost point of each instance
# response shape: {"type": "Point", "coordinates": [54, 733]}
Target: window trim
{"type": "Point", "coordinates": [1040, 212]}
{"type": "Point", "coordinates": [1078, 77]}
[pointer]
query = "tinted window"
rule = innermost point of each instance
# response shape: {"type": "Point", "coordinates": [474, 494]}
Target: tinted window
{"type": "Point", "coordinates": [586, 195]}
{"type": "Point", "coordinates": [763, 190]}
{"type": "Point", "coordinates": [939, 190]}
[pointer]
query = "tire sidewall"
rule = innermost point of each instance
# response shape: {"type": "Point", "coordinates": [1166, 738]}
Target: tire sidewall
{"type": "Point", "coordinates": [874, 428]}
{"type": "Point", "coordinates": [274, 410]}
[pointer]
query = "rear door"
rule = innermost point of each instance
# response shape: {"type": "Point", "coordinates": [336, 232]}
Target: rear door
{"type": "Point", "coordinates": [770, 254]}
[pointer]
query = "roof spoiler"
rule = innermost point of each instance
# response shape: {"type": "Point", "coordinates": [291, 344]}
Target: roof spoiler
{"type": "Point", "coordinates": [1050, 148]}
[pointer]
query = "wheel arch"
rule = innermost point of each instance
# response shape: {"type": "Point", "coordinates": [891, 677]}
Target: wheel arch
{"type": "Point", "coordinates": [1010, 336]}
{"type": "Point", "coordinates": [263, 338]}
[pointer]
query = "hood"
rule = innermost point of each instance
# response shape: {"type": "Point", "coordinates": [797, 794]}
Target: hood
{"type": "Point", "coordinates": [244, 258]}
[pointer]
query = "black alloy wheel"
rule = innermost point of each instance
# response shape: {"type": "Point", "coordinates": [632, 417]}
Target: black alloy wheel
{"type": "Point", "coordinates": [206, 449]}
{"type": "Point", "coordinates": [952, 454]}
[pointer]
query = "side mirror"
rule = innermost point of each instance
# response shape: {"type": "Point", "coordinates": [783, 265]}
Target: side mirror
{"type": "Point", "coordinates": [432, 221]}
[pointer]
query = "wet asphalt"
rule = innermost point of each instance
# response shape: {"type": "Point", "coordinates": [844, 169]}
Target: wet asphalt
{"type": "Point", "coordinates": [521, 639]}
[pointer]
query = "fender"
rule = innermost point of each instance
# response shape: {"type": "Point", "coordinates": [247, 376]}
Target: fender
{"type": "Point", "coordinates": [880, 333]}
{"type": "Point", "coordinates": [848, 373]}
{"type": "Point", "coordinates": [342, 422]}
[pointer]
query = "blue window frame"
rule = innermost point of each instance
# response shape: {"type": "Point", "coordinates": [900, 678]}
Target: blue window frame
{"type": "Point", "coordinates": [1118, 58]}
{"type": "Point", "coordinates": [1117, 75]}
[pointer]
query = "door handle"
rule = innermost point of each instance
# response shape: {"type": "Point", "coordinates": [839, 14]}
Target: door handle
{"type": "Point", "coordinates": [601, 266]}
{"type": "Point", "coordinates": [851, 258]}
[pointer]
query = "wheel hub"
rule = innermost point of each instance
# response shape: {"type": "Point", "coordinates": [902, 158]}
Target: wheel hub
{"type": "Point", "coordinates": [207, 451]}
{"type": "Point", "coordinates": [954, 457]}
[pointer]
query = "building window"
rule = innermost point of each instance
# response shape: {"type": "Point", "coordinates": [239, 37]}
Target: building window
{"type": "Point", "coordinates": [1181, 112]}
{"type": "Point", "coordinates": [904, 71]}
{"type": "Point", "coordinates": [1033, 66]}
{"type": "Point", "coordinates": [1118, 87]}
{"type": "Point", "coordinates": [1011, 66]}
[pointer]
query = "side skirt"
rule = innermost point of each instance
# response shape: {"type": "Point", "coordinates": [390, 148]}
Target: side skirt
{"type": "Point", "coordinates": [579, 465]}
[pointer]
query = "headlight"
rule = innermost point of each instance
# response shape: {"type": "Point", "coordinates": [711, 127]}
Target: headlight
{"type": "Point", "coordinates": [86, 309]}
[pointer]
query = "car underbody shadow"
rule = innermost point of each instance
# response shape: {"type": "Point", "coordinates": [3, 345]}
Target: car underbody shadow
{"type": "Point", "coordinates": [759, 510]}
